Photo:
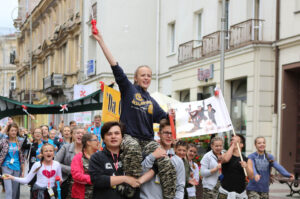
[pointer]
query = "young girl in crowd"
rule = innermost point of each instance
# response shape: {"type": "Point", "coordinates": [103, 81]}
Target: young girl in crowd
{"type": "Point", "coordinates": [258, 188]}
{"type": "Point", "coordinates": [194, 179]}
{"type": "Point", "coordinates": [139, 112]}
{"type": "Point", "coordinates": [82, 187]}
{"type": "Point", "coordinates": [45, 171]}
{"type": "Point", "coordinates": [211, 169]}
{"type": "Point", "coordinates": [65, 156]}
{"type": "Point", "coordinates": [12, 160]}
{"type": "Point", "coordinates": [233, 184]}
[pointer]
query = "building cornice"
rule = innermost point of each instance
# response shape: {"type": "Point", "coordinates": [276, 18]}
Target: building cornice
{"type": "Point", "coordinates": [288, 42]}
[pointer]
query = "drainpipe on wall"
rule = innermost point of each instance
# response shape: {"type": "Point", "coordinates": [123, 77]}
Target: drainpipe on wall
{"type": "Point", "coordinates": [157, 44]}
{"type": "Point", "coordinates": [277, 37]}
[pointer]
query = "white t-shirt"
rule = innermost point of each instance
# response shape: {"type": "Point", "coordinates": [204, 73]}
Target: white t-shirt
{"type": "Point", "coordinates": [192, 190]}
{"type": "Point", "coordinates": [45, 175]}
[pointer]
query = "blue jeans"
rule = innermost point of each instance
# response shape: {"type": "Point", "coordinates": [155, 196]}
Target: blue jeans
{"type": "Point", "coordinates": [12, 188]}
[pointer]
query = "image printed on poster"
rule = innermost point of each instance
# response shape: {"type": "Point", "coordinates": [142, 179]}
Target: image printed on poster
{"type": "Point", "coordinates": [202, 117]}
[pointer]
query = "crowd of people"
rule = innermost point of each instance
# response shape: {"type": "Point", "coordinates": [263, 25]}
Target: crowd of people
{"type": "Point", "coordinates": [121, 160]}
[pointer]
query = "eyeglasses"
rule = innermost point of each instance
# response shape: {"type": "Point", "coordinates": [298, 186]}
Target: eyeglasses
{"type": "Point", "coordinates": [93, 140]}
{"type": "Point", "coordinates": [167, 133]}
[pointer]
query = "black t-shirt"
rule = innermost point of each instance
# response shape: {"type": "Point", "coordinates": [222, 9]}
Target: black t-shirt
{"type": "Point", "coordinates": [234, 178]}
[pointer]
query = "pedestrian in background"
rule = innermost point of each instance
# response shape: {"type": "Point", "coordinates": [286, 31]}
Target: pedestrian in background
{"type": "Point", "coordinates": [258, 188]}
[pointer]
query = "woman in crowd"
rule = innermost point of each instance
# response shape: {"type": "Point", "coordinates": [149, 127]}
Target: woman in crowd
{"type": "Point", "coordinates": [191, 154]}
{"type": "Point", "coordinates": [35, 152]}
{"type": "Point", "coordinates": [139, 112]}
{"type": "Point", "coordinates": [67, 135]}
{"type": "Point", "coordinates": [82, 187]}
{"type": "Point", "coordinates": [211, 168]}
{"type": "Point", "coordinates": [45, 171]}
{"type": "Point", "coordinates": [258, 188]}
{"type": "Point", "coordinates": [45, 133]}
{"type": "Point", "coordinates": [12, 160]}
{"type": "Point", "coordinates": [65, 156]}
{"type": "Point", "coordinates": [105, 166]}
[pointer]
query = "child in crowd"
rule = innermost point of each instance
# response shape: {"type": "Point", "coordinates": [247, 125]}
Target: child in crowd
{"type": "Point", "coordinates": [194, 179]}
{"type": "Point", "coordinates": [82, 187]}
{"type": "Point", "coordinates": [46, 170]}
{"type": "Point", "coordinates": [211, 168]}
{"type": "Point", "coordinates": [233, 184]}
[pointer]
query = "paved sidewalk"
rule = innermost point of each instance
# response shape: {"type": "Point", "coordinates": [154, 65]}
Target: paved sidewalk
{"type": "Point", "coordinates": [280, 191]}
{"type": "Point", "coordinates": [277, 191]}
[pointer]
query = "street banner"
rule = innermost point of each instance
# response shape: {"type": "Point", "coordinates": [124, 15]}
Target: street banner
{"type": "Point", "coordinates": [79, 92]}
{"type": "Point", "coordinates": [202, 117]}
{"type": "Point", "coordinates": [111, 108]}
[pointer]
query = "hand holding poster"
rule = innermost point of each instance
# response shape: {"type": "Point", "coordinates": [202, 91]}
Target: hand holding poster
{"type": "Point", "coordinates": [202, 117]}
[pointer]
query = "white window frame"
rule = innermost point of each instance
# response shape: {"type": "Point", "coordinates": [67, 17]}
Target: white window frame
{"type": "Point", "coordinates": [172, 38]}
{"type": "Point", "coordinates": [13, 83]}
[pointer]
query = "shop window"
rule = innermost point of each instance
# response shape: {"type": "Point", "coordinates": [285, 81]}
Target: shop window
{"type": "Point", "coordinates": [184, 96]}
{"type": "Point", "coordinates": [239, 105]}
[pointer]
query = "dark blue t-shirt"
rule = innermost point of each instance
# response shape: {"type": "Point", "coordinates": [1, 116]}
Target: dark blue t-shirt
{"type": "Point", "coordinates": [138, 109]}
{"type": "Point", "coordinates": [262, 167]}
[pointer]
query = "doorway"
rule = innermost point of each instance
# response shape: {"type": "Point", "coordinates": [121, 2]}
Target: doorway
{"type": "Point", "coordinates": [290, 118]}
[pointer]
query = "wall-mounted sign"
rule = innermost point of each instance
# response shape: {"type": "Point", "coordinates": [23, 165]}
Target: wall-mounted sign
{"type": "Point", "coordinates": [205, 74]}
{"type": "Point", "coordinates": [91, 67]}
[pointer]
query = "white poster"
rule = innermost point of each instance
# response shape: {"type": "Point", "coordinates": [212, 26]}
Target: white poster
{"type": "Point", "coordinates": [79, 92]}
{"type": "Point", "coordinates": [202, 117]}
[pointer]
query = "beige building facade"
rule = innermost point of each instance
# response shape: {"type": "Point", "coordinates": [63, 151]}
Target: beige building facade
{"type": "Point", "coordinates": [8, 46]}
{"type": "Point", "coordinates": [260, 56]}
{"type": "Point", "coordinates": [48, 53]}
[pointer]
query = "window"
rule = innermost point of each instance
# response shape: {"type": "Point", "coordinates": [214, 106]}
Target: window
{"type": "Point", "coordinates": [184, 96]}
{"type": "Point", "coordinates": [77, 51]}
{"type": "Point", "coordinates": [238, 105]}
{"type": "Point", "coordinates": [171, 37]}
{"type": "Point", "coordinates": [13, 83]}
{"type": "Point", "coordinates": [297, 6]}
{"type": "Point", "coordinates": [199, 26]}
{"type": "Point", "coordinates": [64, 58]}
{"type": "Point", "coordinates": [35, 73]}
{"type": "Point", "coordinates": [94, 11]}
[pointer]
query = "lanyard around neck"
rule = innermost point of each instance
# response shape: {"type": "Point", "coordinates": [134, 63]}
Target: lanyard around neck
{"type": "Point", "coordinates": [116, 163]}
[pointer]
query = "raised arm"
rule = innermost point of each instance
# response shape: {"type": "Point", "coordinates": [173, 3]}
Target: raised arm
{"type": "Point", "coordinates": [105, 50]}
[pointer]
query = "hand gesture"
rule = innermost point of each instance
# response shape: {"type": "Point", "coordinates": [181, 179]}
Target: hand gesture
{"type": "Point", "coordinates": [257, 177]}
{"type": "Point", "coordinates": [159, 153]}
{"type": "Point", "coordinates": [292, 177]}
{"type": "Point", "coordinates": [132, 181]}
{"type": "Point", "coordinates": [193, 182]}
{"type": "Point", "coordinates": [243, 164]}
{"type": "Point", "coordinates": [8, 177]}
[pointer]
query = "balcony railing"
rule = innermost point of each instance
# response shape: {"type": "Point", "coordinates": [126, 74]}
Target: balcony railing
{"type": "Point", "coordinates": [245, 32]}
{"type": "Point", "coordinates": [240, 34]}
{"type": "Point", "coordinates": [54, 80]}
{"type": "Point", "coordinates": [188, 52]}
{"type": "Point", "coordinates": [211, 43]}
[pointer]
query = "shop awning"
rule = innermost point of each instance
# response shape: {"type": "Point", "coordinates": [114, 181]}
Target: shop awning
{"type": "Point", "coordinates": [9, 107]}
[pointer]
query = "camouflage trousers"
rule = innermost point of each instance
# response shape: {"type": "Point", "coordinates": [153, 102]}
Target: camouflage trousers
{"type": "Point", "coordinates": [257, 195]}
{"type": "Point", "coordinates": [132, 158]}
{"type": "Point", "coordinates": [211, 194]}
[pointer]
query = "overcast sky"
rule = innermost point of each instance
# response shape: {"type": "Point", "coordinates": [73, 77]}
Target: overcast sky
{"type": "Point", "coordinates": [6, 12]}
